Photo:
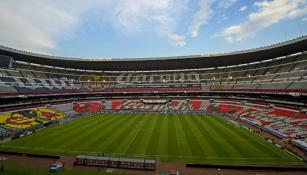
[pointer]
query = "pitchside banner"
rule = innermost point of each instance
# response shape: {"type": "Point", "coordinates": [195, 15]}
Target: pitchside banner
{"type": "Point", "coordinates": [161, 86]}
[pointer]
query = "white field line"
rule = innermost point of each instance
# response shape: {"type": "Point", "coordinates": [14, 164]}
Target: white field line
{"type": "Point", "coordinates": [257, 140]}
{"type": "Point", "coordinates": [144, 155]}
{"type": "Point", "coordinates": [275, 151]}
{"type": "Point", "coordinates": [237, 140]}
{"type": "Point", "coordinates": [293, 154]}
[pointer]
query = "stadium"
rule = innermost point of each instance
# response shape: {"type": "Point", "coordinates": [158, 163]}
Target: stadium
{"type": "Point", "coordinates": [153, 87]}
{"type": "Point", "coordinates": [241, 112]}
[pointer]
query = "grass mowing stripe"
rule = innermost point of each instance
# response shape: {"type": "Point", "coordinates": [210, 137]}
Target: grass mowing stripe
{"type": "Point", "coordinates": [75, 125]}
{"type": "Point", "coordinates": [125, 140]}
{"type": "Point", "coordinates": [155, 138]}
{"type": "Point", "coordinates": [41, 139]}
{"type": "Point", "coordinates": [41, 136]}
{"type": "Point", "coordinates": [251, 149]}
{"type": "Point", "coordinates": [88, 140]}
{"type": "Point", "coordinates": [183, 145]}
{"type": "Point", "coordinates": [73, 136]}
{"type": "Point", "coordinates": [250, 142]}
{"type": "Point", "coordinates": [192, 139]}
{"type": "Point", "coordinates": [213, 147]}
{"type": "Point", "coordinates": [77, 136]}
{"type": "Point", "coordinates": [287, 158]}
{"type": "Point", "coordinates": [104, 132]}
{"type": "Point", "coordinates": [264, 149]}
{"type": "Point", "coordinates": [200, 124]}
{"type": "Point", "coordinates": [163, 139]}
{"type": "Point", "coordinates": [230, 151]}
{"type": "Point", "coordinates": [136, 143]}
{"type": "Point", "coordinates": [212, 122]}
{"type": "Point", "coordinates": [229, 134]}
{"type": "Point", "coordinates": [107, 135]}
{"type": "Point", "coordinates": [116, 138]}
{"type": "Point", "coordinates": [269, 147]}
{"type": "Point", "coordinates": [260, 148]}
{"type": "Point", "coordinates": [172, 142]}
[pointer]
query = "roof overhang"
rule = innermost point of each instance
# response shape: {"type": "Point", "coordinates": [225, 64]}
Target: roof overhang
{"type": "Point", "coordinates": [164, 63]}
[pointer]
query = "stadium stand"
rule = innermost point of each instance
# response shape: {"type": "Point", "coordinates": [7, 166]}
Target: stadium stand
{"type": "Point", "coordinates": [28, 118]}
{"type": "Point", "coordinates": [157, 105]}
{"type": "Point", "coordinates": [66, 108]}
{"type": "Point", "coordinates": [288, 73]}
{"type": "Point", "coordinates": [88, 106]}
{"type": "Point", "coordinates": [284, 122]}
{"type": "Point", "coordinates": [4, 133]}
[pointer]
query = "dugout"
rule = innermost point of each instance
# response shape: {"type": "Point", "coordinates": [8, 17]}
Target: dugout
{"type": "Point", "coordinates": [92, 161]}
{"type": "Point", "coordinates": [131, 163]}
{"type": "Point", "coordinates": [115, 162]}
{"type": "Point", "coordinates": [150, 165]}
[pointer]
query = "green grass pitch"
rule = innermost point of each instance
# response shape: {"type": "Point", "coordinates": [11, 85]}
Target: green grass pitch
{"type": "Point", "coordinates": [169, 137]}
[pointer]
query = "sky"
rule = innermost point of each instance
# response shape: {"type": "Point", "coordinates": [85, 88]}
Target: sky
{"type": "Point", "coordinates": [148, 28]}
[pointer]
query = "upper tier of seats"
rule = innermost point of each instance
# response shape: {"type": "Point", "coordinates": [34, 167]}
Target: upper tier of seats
{"type": "Point", "coordinates": [288, 73]}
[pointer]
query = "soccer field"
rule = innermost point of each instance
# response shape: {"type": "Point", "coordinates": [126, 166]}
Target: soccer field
{"type": "Point", "coordinates": [169, 137]}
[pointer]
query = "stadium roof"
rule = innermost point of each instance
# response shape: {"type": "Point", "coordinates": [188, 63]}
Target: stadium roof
{"type": "Point", "coordinates": [164, 63]}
